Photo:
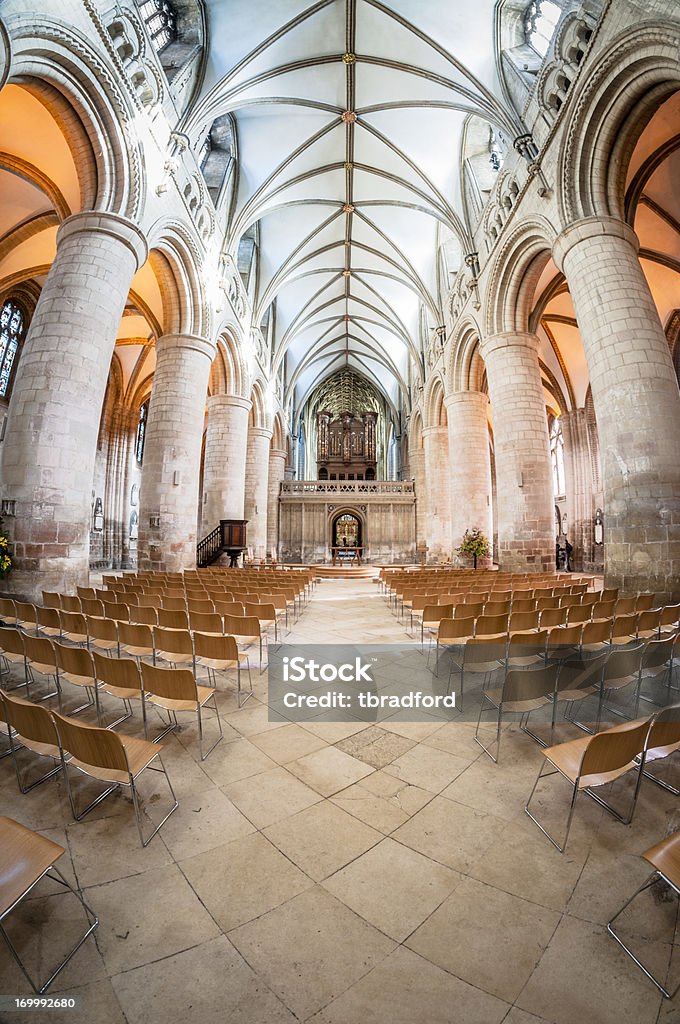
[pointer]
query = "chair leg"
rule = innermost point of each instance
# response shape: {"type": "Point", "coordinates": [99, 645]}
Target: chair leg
{"type": "Point", "coordinates": [645, 885]}
{"type": "Point", "coordinates": [571, 808]}
{"type": "Point", "coordinates": [92, 920]}
{"type": "Point", "coordinates": [79, 815]}
{"type": "Point", "coordinates": [200, 728]}
{"type": "Point", "coordinates": [138, 810]}
{"type": "Point", "coordinates": [482, 709]}
{"type": "Point", "coordinates": [43, 778]}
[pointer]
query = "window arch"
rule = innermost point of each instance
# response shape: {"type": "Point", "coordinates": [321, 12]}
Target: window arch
{"type": "Point", "coordinates": [540, 22]}
{"type": "Point", "coordinates": [161, 21]}
{"type": "Point", "coordinates": [12, 331]}
{"type": "Point", "coordinates": [557, 458]}
{"type": "Point", "coordinates": [141, 431]}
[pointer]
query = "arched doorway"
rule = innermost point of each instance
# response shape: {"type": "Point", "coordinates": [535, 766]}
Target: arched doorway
{"type": "Point", "coordinates": [346, 531]}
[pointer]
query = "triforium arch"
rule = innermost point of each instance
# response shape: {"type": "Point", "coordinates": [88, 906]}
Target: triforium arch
{"type": "Point", "coordinates": [638, 72]}
{"type": "Point", "coordinates": [61, 63]}
{"type": "Point", "coordinates": [515, 271]}
{"type": "Point", "coordinates": [178, 272]}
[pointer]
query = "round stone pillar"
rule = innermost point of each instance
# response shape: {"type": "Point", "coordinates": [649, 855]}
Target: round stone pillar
{"type": "Point", "coordinates": [172, 453]}
{"type": "Point", "coordinates": [224, 471]}
{"type": "Point", "coordinates": [416, 466]}
{"type": "Point", "coordinates": [257, 483]}
{"type": "Point", "coordinates": [277, 473]}
{"type": "Point", "coordinates": [637, 405]}
{"type": "Point", "coordinates": [48, 454]}
{"type": "Point", "coordinates": [469, 467]}
{"type": "Point", "coordinates": [438, 517]}
{"type": "Point", "coordinates": [526, 535]}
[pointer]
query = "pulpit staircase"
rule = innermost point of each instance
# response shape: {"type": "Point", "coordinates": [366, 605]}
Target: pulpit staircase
{"type": "Point", "coordinates": [227, 538]}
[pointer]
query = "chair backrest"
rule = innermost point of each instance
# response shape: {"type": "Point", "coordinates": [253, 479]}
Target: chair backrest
{"type": "Point", "coordinates": [173, 604]}
{"type": "Point", "coordinates": [85, 592]}
{"type": "Point", "coordinates": [25, 612]}
{"type": "Point", "coordinates": [550, 617]}
{"type": "Point", "coordinates": [200, 605]}
{"type": "Point", "coordinates": [664, 727]}
{"type": "Point", "coordinates": [219, 648]}
{"type": "Point", "coordinates": [101, 748]}
{"type": "Point", "coordinates": [170, 619]}
{"type": "Point", "coordinates": [69, 603]}
{"type": "Point", "coordinates": [39, 650]}
{"type": "Point", "coordinates": [456, 629]}
{"type": "Point", "coordinates": [73, 622]}
{"type": "Point", "coordinates": [579, 613]}
{"type": "Point", "coordinates": [623, 662]}
{"type": "Point", "coordinates": [658, 653]}
{"type": "Point", "coordinates": [523, 604]}
{"type": "Point", "coordinates": [609, 594]}
{"type": "Point", "coordinates": [523, 621]}
{"type": "Point", "coordinates": [613, 749]}
{"type": "Point", "coordinates": [172, 641]}
{"type": "Point", "coordinates": [596, 632]}
{"type": "Point", "coordinates": [624, 625]}
{"type": "Point", "coordinates": [491, 625]}
{"type": "Point", "coordinates": [144, 614]}
{"type": "Point", "coordinates": [11, 640]}
{"type": "Point", "coordinates": [522, 645]}
{"type": "Point", "coordinates": [47, 617]}
{"type": "Point", "coordinates": [644, 602]}
{"type": "Point", "coordinates": [92, 607]}
{"type": "Point", "coordinates": [121, 672]}
{"type": "Point", "coordinates": [77, 660]}
{"type": "Point", "coordinates": [148, 601]}
{"type": "Point", "coordinates": [625, 605]}
{"type": "Point", "coordinates": [32, 721]}
{"type": "Point", "coordinates": [135, 634]}
{"type": "Point", "coordinates": [565, 636]}
{"type": "Point", "coordinates": [471, 609]}
{"type": "Point", "coordinates": [51, 599]}
{"type": "Point", "coordinates": [169, 683]}
{"type": "Point", "coordinates": [494, 607]}
{"type": "Point", "coordinates": [102, 629]}
{"type": "Point", "coordinates": [241, 625]}
{"type": "Point", "coordinates": [229, 607]}
{"type": "Point", "coordinates": [434, 613]}
{"type": "Point", "coordinates": [670, 615]}
{"type": "Point", "coordinates": [120, 612]}
{"type": "Point", "coordinates": [530, 684]}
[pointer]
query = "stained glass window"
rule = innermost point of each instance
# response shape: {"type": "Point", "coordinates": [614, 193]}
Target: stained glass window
{"type": "Point", "coordinates": [141, 431]}
{"type": "Point", "coordinates": [557, 456]}
{"type": "Point", "coordinates": [11, 336]}
{"type": "Point", "coordinates": [540, 22]}
{"type": "Point", "coordinates": [161, 21]}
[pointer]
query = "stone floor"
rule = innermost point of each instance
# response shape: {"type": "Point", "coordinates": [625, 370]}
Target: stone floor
{"type": "Point", "coordinates": [339, 873]}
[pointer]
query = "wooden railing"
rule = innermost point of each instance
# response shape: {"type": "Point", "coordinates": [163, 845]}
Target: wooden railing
{"type": "Point", "coordinates": [347, 487]}
{"type": "Point", "coordinates": [210, 548]}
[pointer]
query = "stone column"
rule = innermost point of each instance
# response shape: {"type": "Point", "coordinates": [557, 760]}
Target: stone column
{"type": "Point", "coordinates": [172, 453]}
{"type": "Point", "coordinates": [257, 473]}
{"type": "Point", "coordinates": [224, 471]}
{"type": "Point", "coordinates": [469, 467]}
{"type": "Point", "coordinates": [526, 535]}
{"type": "Point", "coordinates": [635, 393]}
{"type": "Point", "coordinates": [51, 437]}
{"type": "Point", "coordinates": [438, 521]}
{"type": "Point", "coordinates": [416, 465]}
{"type": "Point", "coordinates": [277, 473]}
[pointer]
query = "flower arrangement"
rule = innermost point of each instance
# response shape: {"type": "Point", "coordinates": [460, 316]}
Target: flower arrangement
{"type": "Point", "coordinates": [5, 557]}
{"type": "Point", "coordinates": [475, 544]}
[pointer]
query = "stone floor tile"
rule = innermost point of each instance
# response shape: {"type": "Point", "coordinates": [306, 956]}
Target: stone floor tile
{"type": "Point", "coordinates": [375, 746]}
{"type": "Point", "coordinates": [427, 768]}
{"type": "Point", "coordinates": [322, 838]}
{"type": "Point", "coordinates": [393, 887]}
{"type": "Point", "coordinates": [208, 820]}
{"type": "Point", "coordinates": [244, 879]}
{"type": "Point", "coordinates": [486, 937]}
{"type": "Point", "coordinates": [288, 743]}
{"type": "Point", "coordinates": [329, 770]}
{"type": "Point", "coordinates": [310, 950]}
{"type": "Point", "coordinates": [450, 833]}
{"type": "Point", "coordinates": [270, 796]}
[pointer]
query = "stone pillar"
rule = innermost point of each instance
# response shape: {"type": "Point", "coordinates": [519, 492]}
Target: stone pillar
{"type": "Point", "coordinates": [416, 465]}
{"type": "Point", "coordinates": [172, 453]}
{"type": "Point", "coordinates": [52, 427]}
{"type": "Point", "coordinates": [637, 404]}
{"type": "Point", "coordinates": [438, 521]}
{"type": "Point", "coordinates": [469, 467]}
{"type": "Point", "coordinates": [277, 473]}
{"type": "Point", "coordinates": [526, 535]}
{"type": "Point", "coordinates": [224, 471]}
{"type": "Point", "coordinates": [257, 473]}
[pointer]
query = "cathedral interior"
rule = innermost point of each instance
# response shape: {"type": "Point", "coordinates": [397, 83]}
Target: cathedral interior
{"type": "Point", "coordinates": [343, 326]}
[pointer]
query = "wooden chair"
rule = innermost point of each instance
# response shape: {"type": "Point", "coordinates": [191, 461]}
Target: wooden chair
{"type": "Point", "coordinates": [174, 690]}
{"type": "Point", "coordinates": [522, 692]}
{"type": "Point", "coordinates": [103, 634]}
{"type": "Point", "coordinates": [624, 630]}
{"type": "Point", "coordinates": [229, 608]}
{"type": "Point", "coordinates": [266, 614]}
{"type": "Point", "coordinates": [526, 650]}
{"type": "Point", "coordinates": [73, 627]}
{"type": "Point", "coordinates": [119, 612]}
{"type": "Point", "coordinates": [625, 605]}
{"type": "Point", "coordinates": [51, 599]}
{"type": "Point", "coordinates": [452, 634]}
{"type": "Point", "coordinates": [595, 636]}
{"type": "Point", "coordinates": [648, 624]}
{"type": "Point", "coordinates": [92, 607]}
{"type": "Point", "coordinates": [663, 741]}
{"type": "Point", "coordinates": [669, 621]}
{"type": "Point", "coordinates": [664, 857]}
{"type": "Point", "coordinates": [591, 762]}
{"type": "Point", "coordinates": [173, 645]}
{"type": "Point", "coordinates": [645, 602]}
{"type": "Point", "coordinates": [136, 639]}
{"type": "Point", "coordinates": [578, 614]}
{"type": "Point", "coordinates": [13, 652]}
{"type": "Point", "coordinates": [219, 654]}
{"type": "Point", "coordinates": [246, 629]}
{"type": "Point", "coordinates": [26, 616]}
{"type": "Point", "coordinates": [657, 664]}
{"type": "Point", "coordinates": [145, 614]}
{"type": "Point", "coordinates": [70, 603]}
{"type": "Point", "coordinates": [549, 618]}
{"type": "Point", "coordinates": [173, 604]}
{"type": "Point", "coordinates": [76, 666]}
{"type": "Point", "coordinates": [31, 726]}
{"type": "Point", "coordinates": [8, 613]}
{"type": "Point", "coordinates": [28, 857]}
{"type": "Point", "coordinates": [119, 678]}
{"type": "Point", "coordinates": [522, 622]}
{"type": "Point", "coordinates": [111, 758]}
{"type": "Point", "coordinates": [40, 658]}
{"type": "Point", "coordinates": [85, 592]}
{"type": "Point", "coordinates": [200, 606]}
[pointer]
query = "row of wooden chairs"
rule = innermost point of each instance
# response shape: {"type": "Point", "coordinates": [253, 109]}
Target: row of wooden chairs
{"type": "Point", "coordinates": [284, 600]}
{"type": "Point", "coordinates": [46, 657]}
{"type": "Point", "coordinates": [555, 674]}
{"type": "Point", "coordinates": [101, 754]}
{"type": "Point", "coordinates": [405, 598]}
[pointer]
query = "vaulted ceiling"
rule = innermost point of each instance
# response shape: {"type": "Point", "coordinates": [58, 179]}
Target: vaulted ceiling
{"type": "Point", "coordinates": [348, 119]}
